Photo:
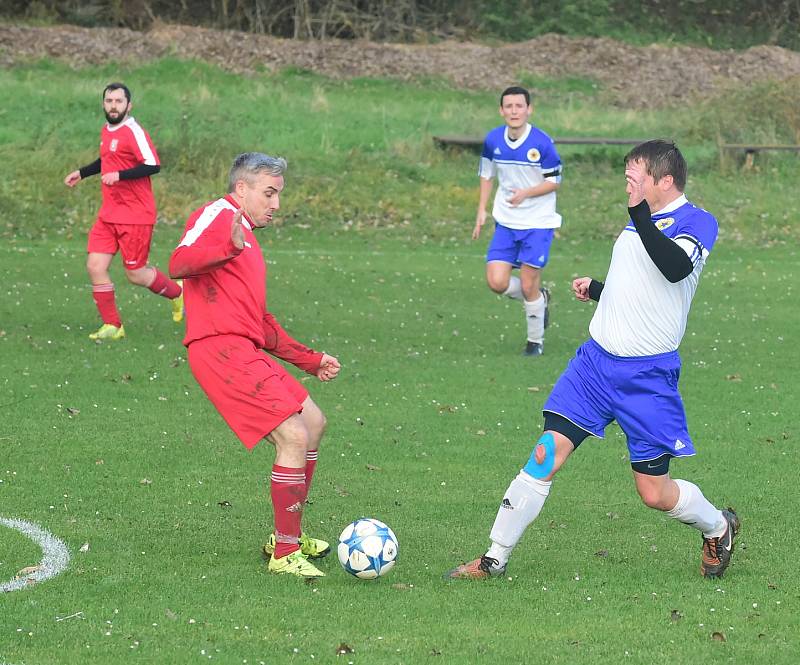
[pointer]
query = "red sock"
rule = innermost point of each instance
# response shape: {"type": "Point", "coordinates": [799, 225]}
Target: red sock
{"type": "Point", "coordinates": [288, 488]}
{"type": "Point", "coordinates": [311, 464]}
{"type": "Point", "coordinates": [103, 295]}
{"type": "Point", "coordinates": [164, 286]}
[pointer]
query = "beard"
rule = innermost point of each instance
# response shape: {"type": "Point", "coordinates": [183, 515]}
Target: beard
{"type": "Point", "coordinates": [115, 120]}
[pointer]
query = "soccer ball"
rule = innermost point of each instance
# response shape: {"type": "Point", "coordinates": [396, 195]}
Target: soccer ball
{"type": "Point", "coordinates": [367, 548]}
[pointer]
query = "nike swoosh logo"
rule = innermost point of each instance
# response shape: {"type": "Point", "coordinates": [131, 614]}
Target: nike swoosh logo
{"type": "Point", "coordinates": [652, 466]}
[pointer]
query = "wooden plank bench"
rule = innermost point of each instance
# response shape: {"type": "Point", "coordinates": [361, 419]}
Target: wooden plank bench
{"type": "Point", "coordinates": [750, 150]}
{"type": "Point", "coordinates": [476, 142]}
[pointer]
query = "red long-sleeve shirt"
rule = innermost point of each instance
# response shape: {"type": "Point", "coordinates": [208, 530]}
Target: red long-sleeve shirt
{"type": "Point", "coordinates": [225, 288]}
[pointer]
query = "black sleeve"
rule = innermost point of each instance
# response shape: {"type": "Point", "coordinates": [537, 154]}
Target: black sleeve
{"type": "Point", "coordinates": [140, 171]}
{"type": "Point", "coordinates": [595, 289]}
{"type": "Point", "coordinates": [90, 169]}
{"type": "Point", "coordinates": [668, 256]}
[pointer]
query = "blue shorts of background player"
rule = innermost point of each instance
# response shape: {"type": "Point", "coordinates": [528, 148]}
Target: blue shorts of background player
{"type": "Point", "coordinates": [640, 393]}
{"type": "Point", "coordinates": [520, 246]}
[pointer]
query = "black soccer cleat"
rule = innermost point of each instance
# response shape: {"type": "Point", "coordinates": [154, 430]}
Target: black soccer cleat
{"type": "Point", "coordinates": [717, 551]}
{"type": "Point", "coordinates": [533, 349]}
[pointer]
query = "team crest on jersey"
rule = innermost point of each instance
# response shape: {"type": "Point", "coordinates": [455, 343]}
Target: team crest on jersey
{"type": "Point", "coordinates": [534, 155]}
{"type": "Point", "coordinates": [114, 144]}
{"type": "Point", "coordinates": [665, 223]}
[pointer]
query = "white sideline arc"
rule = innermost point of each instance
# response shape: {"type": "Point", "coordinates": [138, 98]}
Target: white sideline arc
{"type": "Point", "coordinates": [55, 554]}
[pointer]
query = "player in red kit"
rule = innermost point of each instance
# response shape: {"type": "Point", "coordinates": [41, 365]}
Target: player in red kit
{"type": "Point", "coordinates": [228, 326]}
{"type": "Point", "coordinates": [128, 212]}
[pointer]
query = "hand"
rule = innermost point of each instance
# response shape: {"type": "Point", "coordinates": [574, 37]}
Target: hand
{"type": "Point", "coordinates": [635, 174]}
{"type": "Point", "coordinates": [581, 288]}
{"type": "Point", "coordinates": [110, 178]}
{"type": "Point", "coordinates": [237, 230]}
{"type": "Point", "coordinates": [328, 368]}
{"type": "Point", "coordinates": [72, 179]}
{"type": "Point", "coordinates": [480, 220]}
{"type": "Point", "coordinates": [517, 196]}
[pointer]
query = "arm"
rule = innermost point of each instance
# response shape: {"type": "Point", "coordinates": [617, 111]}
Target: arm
{"type": "Point", "coordinates": [586, 289]}
{"type": "Point", "coordinates": [281, 345]}
{"type": "Point", "coordinates": [139, 171]}
{"type": "Point", "coordinates": [75, 177]}
{"type": "Point", "coordinates": [483, 200]}
{"type": "Point", "coordinates": [196, 258]}
{"type": "Point", "coordinates": [519, 195]}
{"type": "Point", "coordinates": [595, 289]}
{"type": "Point", "coordinates": [669, 257]}
{"type": "Point", "coordinates": [90, 169]}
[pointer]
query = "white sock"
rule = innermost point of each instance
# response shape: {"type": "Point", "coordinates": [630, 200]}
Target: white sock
{"type": "Point", "coordinates": [696, 511]}
{"type": "Point", "coordinates": [514, 289]}
{"type": "Point", "coordinates": [534, 313]}
{"type": "Point", "coordinates": [522, 504]}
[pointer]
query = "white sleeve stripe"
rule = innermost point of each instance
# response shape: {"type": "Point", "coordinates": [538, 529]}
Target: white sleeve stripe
{"type": "Point", "coordinates": [693, 248]}
{"type": "Point", "coordinates": [204, 221]}
{"type": "Point", "coordinates": [141, 141]}
{"type": "Point", "coordinates": [692, 239]}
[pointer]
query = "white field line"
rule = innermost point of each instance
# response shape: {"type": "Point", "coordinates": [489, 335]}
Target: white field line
{"type": "Point", "coordinates": [55, 555]}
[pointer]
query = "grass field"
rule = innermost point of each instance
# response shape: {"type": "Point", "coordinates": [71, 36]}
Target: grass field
{"type": "Point", "coordinates": [435, 410]}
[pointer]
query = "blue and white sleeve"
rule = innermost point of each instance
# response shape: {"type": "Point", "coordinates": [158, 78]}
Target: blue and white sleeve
{"type": "Point", "coordinates": [551, 163]}
{"type": "Point", "coordinates": [697, 236]}
{"type": "Point", "coordinates": [486, 167]}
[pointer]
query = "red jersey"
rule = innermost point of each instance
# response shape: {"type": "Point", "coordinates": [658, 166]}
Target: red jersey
{"type": "Point", "coordinates": [122, 147]}
{"type": "Point", "coordinates": [225, 289]}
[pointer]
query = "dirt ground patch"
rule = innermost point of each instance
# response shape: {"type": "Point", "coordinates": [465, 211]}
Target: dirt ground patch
{"type": "Point", "coordinates": [631, 76]}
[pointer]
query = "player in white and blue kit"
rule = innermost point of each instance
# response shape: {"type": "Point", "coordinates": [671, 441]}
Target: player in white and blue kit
{"type": "Point", "coordinates": [528, 171]}
{"type": "Point", "coordinates": [629, 368]}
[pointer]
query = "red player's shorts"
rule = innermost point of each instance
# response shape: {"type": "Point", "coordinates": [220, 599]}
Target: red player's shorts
{"type": "Point", "coordinates": [252, 391]}
{"type": "Point", "coordinates": [133, 240]}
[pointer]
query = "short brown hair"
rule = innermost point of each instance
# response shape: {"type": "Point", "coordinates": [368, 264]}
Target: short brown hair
{"type": "Point", "coordinates": [661, 158]}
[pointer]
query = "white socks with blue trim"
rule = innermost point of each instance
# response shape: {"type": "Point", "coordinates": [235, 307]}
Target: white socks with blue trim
{"type": "Point", "coordinates": [534, 315]}
{"type": "Point", "coordinates": [696, 511]}
{"type": "Point", "coordinates": [514, 289]}
{"type": "Point", "coordinates": [521, 504]}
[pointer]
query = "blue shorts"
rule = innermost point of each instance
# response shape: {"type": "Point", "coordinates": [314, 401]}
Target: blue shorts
{"type": "Point", "coordinates": [640, 393]}
{"type": "Point", "coordinates": [518, 246]}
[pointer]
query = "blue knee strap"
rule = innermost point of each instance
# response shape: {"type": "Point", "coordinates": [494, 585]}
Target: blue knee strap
{"type": "Point", "coordinates": [533, 468]}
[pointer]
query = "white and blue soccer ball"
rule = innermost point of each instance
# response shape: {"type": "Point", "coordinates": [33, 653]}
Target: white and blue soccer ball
{"type": "Point", "coordinates": [367, 548]}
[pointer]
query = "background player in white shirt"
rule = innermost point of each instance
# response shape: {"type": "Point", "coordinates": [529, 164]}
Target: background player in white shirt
{"type": "Point", "coordinates": [628, 370]}
{"type": "Point", "coordinates": [528, 170]}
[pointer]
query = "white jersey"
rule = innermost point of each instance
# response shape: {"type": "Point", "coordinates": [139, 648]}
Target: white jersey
{"type": "Point", "coordinates": [640, 312]}
{"type": "Point", "coordinates": [527, 162]}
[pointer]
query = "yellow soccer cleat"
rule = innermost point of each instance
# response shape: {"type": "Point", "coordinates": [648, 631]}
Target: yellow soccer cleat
{"type": "Point", "coordinates": [294, 564]}
{"type": "Point", "coordinates": [107, 331]}
{"type": "Point", "coordinates": [313, 548]}
{"type": "Point", "coordinates": [177, 304]}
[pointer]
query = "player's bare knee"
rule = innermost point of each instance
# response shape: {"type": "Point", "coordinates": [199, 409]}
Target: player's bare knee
{"type": "Point", "coordinates": [498, 285]}
{"type": "Point", "coordinates": [139, 277]}
{"type": "Point", "coordinates": [94, 267]}
{"type": "Point", "coordinates": [321, 424]}
{"type": "Point", "coordinates": [291, 439]}
{"type": "Point", "coordinates": [652, 497]}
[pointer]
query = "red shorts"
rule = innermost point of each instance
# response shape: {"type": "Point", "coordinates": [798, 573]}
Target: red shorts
{"type": "Point", "coordinates": [133, 240]}
{"type": "Point", "coordinates": [252, 391]}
